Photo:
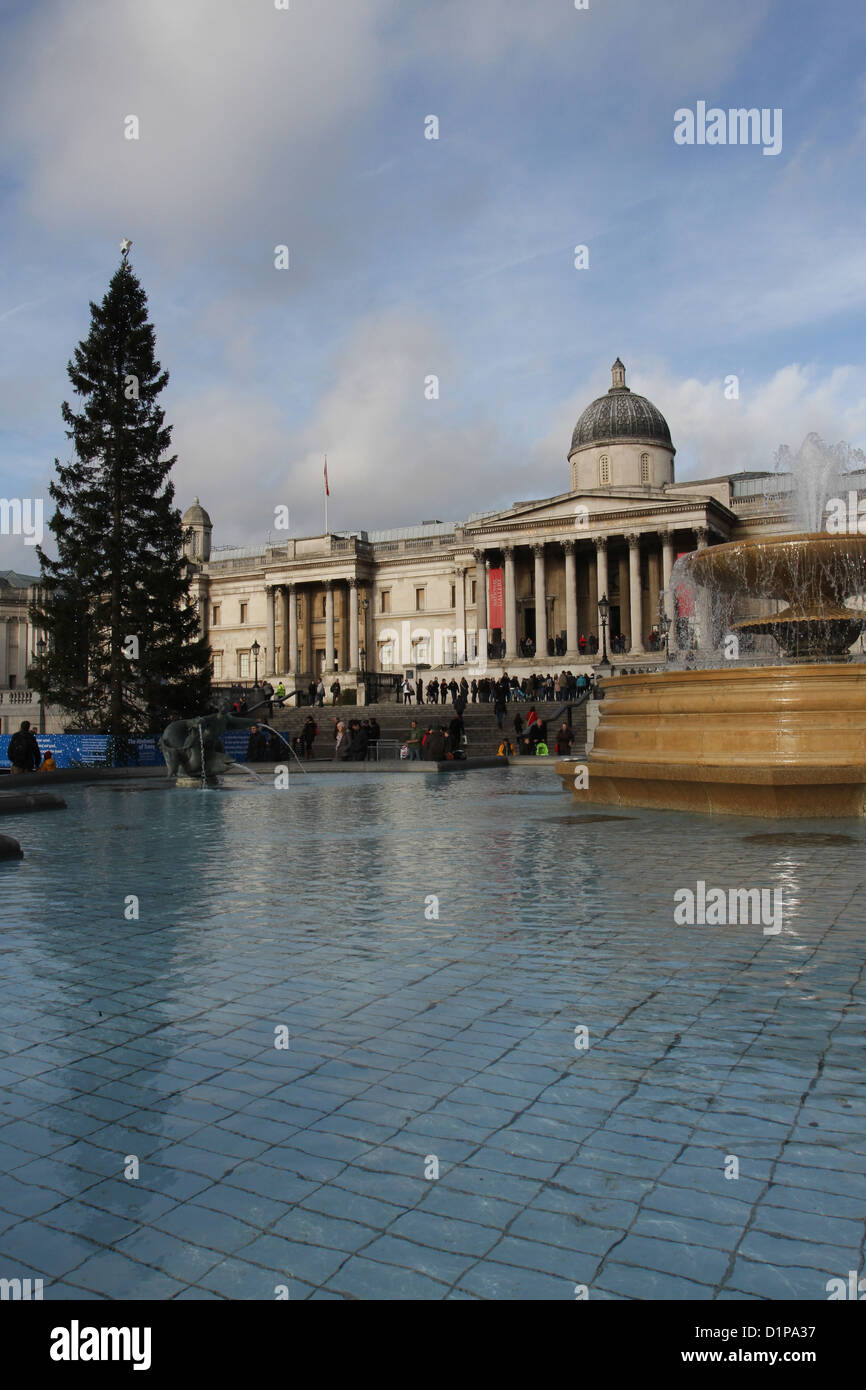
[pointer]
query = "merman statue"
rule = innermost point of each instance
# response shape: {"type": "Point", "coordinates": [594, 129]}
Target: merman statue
{"type": "Point", "coordinates": [187, 741]}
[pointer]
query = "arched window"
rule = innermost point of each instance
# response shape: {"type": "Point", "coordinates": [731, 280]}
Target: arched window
{"type": "Point", "coordinates": [646, 472]}
{"type": "Point", "coordinates": [604, 471]}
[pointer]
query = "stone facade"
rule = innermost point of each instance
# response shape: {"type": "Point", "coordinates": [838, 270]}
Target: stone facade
{"type": "Point", "coordinates": [422, 596]}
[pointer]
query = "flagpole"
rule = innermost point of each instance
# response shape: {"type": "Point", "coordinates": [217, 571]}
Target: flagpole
{"type": "Point", "coordinates": [326, 494]}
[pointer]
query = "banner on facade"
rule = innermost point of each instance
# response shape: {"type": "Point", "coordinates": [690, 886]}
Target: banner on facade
{"type": "Point", "coordinates": [684, 593]}
{"type": "Point", "coordinates": [496, 600]}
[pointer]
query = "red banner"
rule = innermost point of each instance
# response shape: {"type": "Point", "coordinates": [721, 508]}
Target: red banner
{"type": "Point", "coordinates": [684, 593]}
{"type": "Point", "coordinates": [496, 600]}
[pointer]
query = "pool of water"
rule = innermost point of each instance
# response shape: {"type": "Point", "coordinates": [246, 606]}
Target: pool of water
{"type": "Point", "coordinates": [433, 945]}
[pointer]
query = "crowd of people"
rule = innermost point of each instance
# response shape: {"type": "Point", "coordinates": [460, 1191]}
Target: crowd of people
{"type": "Point", "coordinates": [355, 740]}
{"type": "Point", "coordinates": [565, 686]}
{"type": "Point", "coordinates": [531, 739]}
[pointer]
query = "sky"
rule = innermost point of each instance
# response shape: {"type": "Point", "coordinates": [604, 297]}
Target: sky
{"type": "Point", "coordinates": [411, 257]}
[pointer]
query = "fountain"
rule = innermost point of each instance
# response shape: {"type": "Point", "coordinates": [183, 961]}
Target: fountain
{"type": "Point", "coordinates": [768, 718]}
{"type": "Point", "coordinates": [193, 748]}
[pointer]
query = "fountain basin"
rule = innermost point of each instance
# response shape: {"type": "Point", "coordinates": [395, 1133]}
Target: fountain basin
{"type": "Point", "coordinates": [770, 741]}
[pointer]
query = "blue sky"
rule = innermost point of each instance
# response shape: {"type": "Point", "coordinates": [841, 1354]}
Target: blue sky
{"type": "Point", "coordinates": [409, 257]}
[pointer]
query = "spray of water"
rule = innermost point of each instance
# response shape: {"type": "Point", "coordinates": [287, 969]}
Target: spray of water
{"type": "Point", "coordinates": [818, 471]}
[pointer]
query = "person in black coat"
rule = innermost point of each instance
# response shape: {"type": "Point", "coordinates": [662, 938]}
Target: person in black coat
{"type": "Point", "coordinates": [434, 748]}
{"type": "Point", "coordinates": [23, 751]}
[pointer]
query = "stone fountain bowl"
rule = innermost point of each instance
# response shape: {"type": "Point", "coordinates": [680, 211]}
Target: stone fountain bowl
{"type": "Point", "coordinates": [807, 569]}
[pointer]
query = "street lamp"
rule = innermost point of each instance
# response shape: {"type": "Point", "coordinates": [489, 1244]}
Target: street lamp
{"type": "Point", "coordinates": [255, 649]}
{"type": "Point", "coordinates": [604, 614]}
{"type": "Point", "coordinates": [40, 649]}
{"type": "Point", "coordinates": [666, 627]}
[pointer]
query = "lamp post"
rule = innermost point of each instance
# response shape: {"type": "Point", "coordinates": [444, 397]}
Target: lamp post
{"type": "Point", "coordinates": [255, 649]}
{"type": "Point", "coordinates": [666, 627]}
{"type": "Point", "coordinates": [40, 650]}
{"type": "Point", "coordinates": [604, 614]}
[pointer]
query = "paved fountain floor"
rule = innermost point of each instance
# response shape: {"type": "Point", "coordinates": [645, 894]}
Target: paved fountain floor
{"type": "Point", "coordinates": [416, 1041]}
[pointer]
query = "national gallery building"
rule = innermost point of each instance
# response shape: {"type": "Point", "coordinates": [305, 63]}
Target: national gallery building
{"type": "Point", "coordinates": [517, 586]}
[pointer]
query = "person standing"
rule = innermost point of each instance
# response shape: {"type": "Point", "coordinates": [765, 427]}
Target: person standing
{"type": "Point", "coordinates": [375, 733]}
{"type": "Point", "coordinates": [499, 705]}
{"type": "Point", "coordinates": [434, 748]}
{"type": "Point", "coordinates": [455, 734]}
{"type": "Point", "coordinates": [341, 742]}
{"type": "Point", "coordinates": [564, 740]}
{"type": "Point", "coordinates": [414, 742]}
{"type": "Point", "coordinates": [320, 692]}
{"type": "Point", "coordinates": [335, 692]}
{"type": "Point", "coordinates": [268, 694]}
{"type": "Point", "coordinates": [23, 752]}
{"type": "Point", "coordinates": [419, 691]}
{"type": "Point", "coordinates": [313, 692]}
{"type": "Point", "coordinates": [308, 735]}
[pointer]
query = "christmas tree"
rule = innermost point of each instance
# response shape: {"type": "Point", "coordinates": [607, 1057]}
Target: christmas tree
{"type": "Point", "coordinates": [124, 653]}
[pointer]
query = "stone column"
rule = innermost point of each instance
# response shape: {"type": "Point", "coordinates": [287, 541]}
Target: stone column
{"type": "Point", "coordinates": [654, 586]}
{"type": "Point", "coordinates": [702, 606]}
{"type": "Point", "coordinates": [601, 580]}
{"type": "Point", "coordinates": [510, 604]}
{"type": "Point", "coordinates": [291, 602]}
{"type": "Point", "coordinates": [481, 603]}
{"type": "Point", "coordinates": [270, 663]}
{"type": "Point", "coordinates": [329, 626]}
{"type": "Point", "coordinates": [354, 639]}
{"type": "Point", "coordinates": [667, 570]}
{"type": "Point", "coordinates": [592, 596]}
{"type": "Point", "coordinates": [635, 604]}
{"type": "Point", "coordinates": [540, 602]}
{"type": "Point", "coordinates": [288, 598]}
{"type": "Point", "coordinates": [460, 615]}
{"type": "Point", "coordinates": [570, 600]}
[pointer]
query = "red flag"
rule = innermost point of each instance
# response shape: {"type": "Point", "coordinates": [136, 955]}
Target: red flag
{"type": "Point", "coordinates": [327, 489]}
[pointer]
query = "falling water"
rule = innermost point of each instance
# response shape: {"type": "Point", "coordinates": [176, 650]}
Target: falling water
{"type": "Point", "coordinates": [288, 745]}
{"type": "Point", "coordinates": [201, 742]}
{"type": "Point", "coordinates": [243, 767]}
{"type": "Point", "coordinates": [772, 598]}
{"type": "Point", "coordinates": [818, 472]}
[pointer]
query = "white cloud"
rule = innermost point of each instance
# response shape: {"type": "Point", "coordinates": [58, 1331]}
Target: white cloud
{"type": "Point", "coordinates": [714, 435]}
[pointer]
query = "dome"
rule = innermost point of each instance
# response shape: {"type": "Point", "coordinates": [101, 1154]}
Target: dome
{"type": "Point", "coordinates": [621, 415]}
{"type": "Point", "coordinates": [196, 515]}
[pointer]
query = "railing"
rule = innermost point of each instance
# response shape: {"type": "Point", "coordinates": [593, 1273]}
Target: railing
{"type": "Point", "coordinates": [18, 696]}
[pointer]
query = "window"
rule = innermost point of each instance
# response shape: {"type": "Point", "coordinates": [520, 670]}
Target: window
{"type": "Point", "coordinates": [324, 606]}
{"type": "Point", "coordinates": [386, 601]}
{"type": "Point", "coordinates": [474, 595]}
{"type": "Point", "coordinates": [386, 655]}
{"type": "Point", "coordinates": [453, 595]}
{"type": "Point", "coordinates": [420, 600]}
{"type": "Point", "coordinates": [215, 615]}
{"type": "Point", "coordinates": [217, 665]}
{"type": "Point", "coordinates": [243, 664]}
{"type": "Point", "coordinates": [604, 471]}
{"type": "Point", "coordinates": [244, 607]}
{"type": "Point", "coordinates": [646, 475]}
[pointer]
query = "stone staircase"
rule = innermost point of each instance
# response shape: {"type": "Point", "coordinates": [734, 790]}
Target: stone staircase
{"type": "Point", "coordinates": [482, 730]}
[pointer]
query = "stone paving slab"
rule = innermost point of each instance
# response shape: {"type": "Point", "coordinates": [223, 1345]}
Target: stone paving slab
{"type": "Point", "coordinates": [432, 1130]}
